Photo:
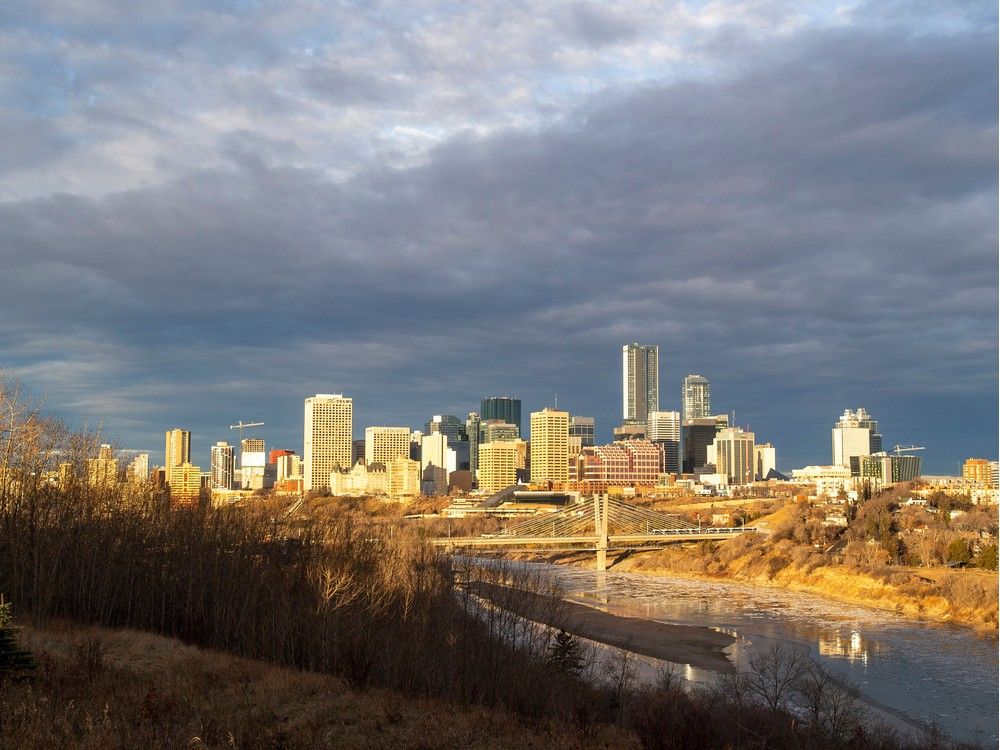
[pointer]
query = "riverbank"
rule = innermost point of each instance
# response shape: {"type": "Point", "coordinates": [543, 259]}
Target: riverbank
{"type": "Point", "coordinates": [699, 647]}
{"type": "Point", "coordinates": [934, 596]}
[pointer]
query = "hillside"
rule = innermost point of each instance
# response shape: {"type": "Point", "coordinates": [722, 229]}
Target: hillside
{"type": "Point", "coordinates": [99, 688]}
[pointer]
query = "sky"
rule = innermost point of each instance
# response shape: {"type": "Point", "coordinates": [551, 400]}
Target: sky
{"type": "Point", "coordinates": [210, 211]}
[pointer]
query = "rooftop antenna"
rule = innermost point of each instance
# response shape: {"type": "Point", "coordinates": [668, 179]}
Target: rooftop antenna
{"type": "Point", "coordinates": [557, 401]}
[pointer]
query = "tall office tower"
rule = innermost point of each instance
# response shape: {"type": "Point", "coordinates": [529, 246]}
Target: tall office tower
{"type": "Point", "coordinates": [138, 470]}
{"type": "Point", "coordinates": [696, 397]}
{"type": "Point", "coordinates": [223, 466]}
{"type": "Point", "coordinates": [549, 445]}
{"type": "Point", "coordinates": [498, 465]}
{"type": "Point", "coordinates": [664, 429]}
{"type": "Point", "coordinates": [495, 429]}
{"type": "Point", "coordinates": [583, 428]}
{"type": "Point", "coordinates": [855, 434]}
{"type": "Point", "coordinates": [504, 408]}
{"type": "Point", "coordinates": [765, 460]}
{"type": "Point", "coordinates": [734, 455]}
{"type": "Point", "coordinates": [697, 436]}
{"type": "Point", "coordinates": [383, 445]}
{"type": "Point", "coordinates": [103, 470]}
{"type": "Point", "coordinates": [178, 450]}
{"type": "Point", "coordinates": [472, 424]}
{"type": "Point", "coordinates": [446, 424]}
{"type": "Point", "coordinates": [640, 381]}
{"type": "Point", "coordinates": [437, 461]}
{"type": "Point", "coordinates": [327, 444]}
{"type": "Point", "coordinates": [185, 484]}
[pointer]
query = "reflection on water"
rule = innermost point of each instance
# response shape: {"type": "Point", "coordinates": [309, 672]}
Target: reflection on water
{"type": "Point", "coordinates": [855, 647]}
{"type": "Point", "coordinates": [928, 672]}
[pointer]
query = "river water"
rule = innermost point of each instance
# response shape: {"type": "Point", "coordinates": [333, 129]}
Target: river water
{"type": "Point", "coordinates": [920, 672]}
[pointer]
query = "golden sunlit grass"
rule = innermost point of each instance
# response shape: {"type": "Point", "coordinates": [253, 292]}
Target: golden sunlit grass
{"type": "Point", "coordinates": [100, 688]}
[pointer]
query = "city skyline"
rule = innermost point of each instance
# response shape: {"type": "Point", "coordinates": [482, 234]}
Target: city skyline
{"type": "Point", "coordinates": [208, 224]}
{"type": "Point", "coordinates": [364, 429]}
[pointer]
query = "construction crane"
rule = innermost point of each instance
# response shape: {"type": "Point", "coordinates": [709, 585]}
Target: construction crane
{"type": "Point", "coordinates": [901, 449]}
{"type": "Point", "coordinates": [241, 425]}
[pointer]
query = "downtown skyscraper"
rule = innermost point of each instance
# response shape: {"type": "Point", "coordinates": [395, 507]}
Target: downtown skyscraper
{"type": "Point", "coordinates": [327, 438]}
{"type": "Point", "coordinates": [696, 398]}
{"type": "Point", "coordinates": [640, 381]}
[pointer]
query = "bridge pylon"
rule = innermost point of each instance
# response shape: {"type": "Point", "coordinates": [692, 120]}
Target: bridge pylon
{"type": "Point", "coordinates": [601, 530]}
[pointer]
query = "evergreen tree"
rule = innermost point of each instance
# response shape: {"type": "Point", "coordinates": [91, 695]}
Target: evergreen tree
{"type": "Point", "coordinates": [13, 658]}
{"type": "Point", "coordinates": [564, 653]}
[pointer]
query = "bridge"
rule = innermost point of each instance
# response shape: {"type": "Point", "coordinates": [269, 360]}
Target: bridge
{"type": "Point", "coordinates": [601, 526]}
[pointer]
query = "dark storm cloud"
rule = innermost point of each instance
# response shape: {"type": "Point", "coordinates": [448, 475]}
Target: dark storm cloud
{"type": "Point", "coordinates": [815, 232]}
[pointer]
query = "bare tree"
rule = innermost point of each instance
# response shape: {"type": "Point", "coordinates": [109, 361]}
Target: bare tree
{"type": "Point", "coordinates": [774, 674]}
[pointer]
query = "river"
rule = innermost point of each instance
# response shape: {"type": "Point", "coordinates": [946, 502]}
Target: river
{"type": "Point", "coordinates": [921, 672]}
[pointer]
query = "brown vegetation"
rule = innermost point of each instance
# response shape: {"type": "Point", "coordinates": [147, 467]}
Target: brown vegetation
{"type": "Point", "coordinates": [97, 688]}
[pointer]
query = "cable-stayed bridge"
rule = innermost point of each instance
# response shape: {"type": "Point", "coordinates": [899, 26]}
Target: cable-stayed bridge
{"type": "Point", "coordinates": [599, 525]}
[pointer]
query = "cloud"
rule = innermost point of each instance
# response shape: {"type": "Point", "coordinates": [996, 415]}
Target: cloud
{"type": "Point", "coordinates": [809, 220]}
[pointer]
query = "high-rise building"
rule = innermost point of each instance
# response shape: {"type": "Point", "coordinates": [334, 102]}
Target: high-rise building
{"type": "Point", "coordinates": [696, 397]}
{"type": "Point", "coordinates": [505, 408]}
{"type": "Point", "coordinates": [640, 381]}
{"type": "Point", "coordinates": [403, 478]}
{"type": "Point", "coordinates": [446, 424]}
{"type": "Point", "coordinates": [697, 435]}
{"type": "Point", "coordinates": [765, 460]}
{"type": "Point", "coordinates": [103, 470]}
{"type": "Point", "coordinates": [384, 445]}
{"type": "Point", "coordinates": [664, 429]}
{"type": "Point", "coordinates": [185, 484]}
{"type": "Point", "coordinates": [223, 466]}
{"type": "Point", "coordinates": [734, 455]}
{"type": "Point", "coordinates": [549, 445]}
{"type": "Point", "coordinates": [497, 465]}
{"type": "Point", "coordinates": [883, 470]}
{"type": "Point", "coordinates": [583, 428]}
{"type": "Point", "coordinates": [472, 424]}
{"type": "Point", "coordinates": [495, 429]}
{"type": "Point", "coordinates": [855, 434]}
{"type": "Point", "coordinates": [327, 444]}
{"type": "Point", "coordinates": [437, 461]}
{"type": "Point", "coordinates": [288, 466]}
{"type": "Point", "coordinates": [138, 470]}
{"type": "Point", "coordinates": [253, 463]}
{"type": "Point", "coordinates": [978, 471]}
{"type": "Point", "coordinates": [178, 449]}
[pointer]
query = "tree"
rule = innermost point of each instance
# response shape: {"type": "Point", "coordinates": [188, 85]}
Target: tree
{"type": "Point", "coordinates": [564, 653]}
{"type": "Point", "coordinates": [13, 658]}
{"type": "Point", "coordinates": [959, 551]}
{"type": "Point", "coordinates": [774, 675]}
{"type": "Point", "coordinates": [987, 557]}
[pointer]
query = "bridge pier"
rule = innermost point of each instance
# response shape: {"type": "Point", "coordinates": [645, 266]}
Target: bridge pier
{"type": "Point", "coordinates": [601, 528]}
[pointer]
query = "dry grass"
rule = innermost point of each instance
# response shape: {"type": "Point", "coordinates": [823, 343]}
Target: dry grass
{"type": "Point", "coordinates": [99, 688]}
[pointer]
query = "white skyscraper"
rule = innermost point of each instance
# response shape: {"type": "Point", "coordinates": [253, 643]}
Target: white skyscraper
{"type": "Point", "coordinates": [855, 434]}
{"type": "Point", "coordinates": [223, 465]}
{"type": "Point", "coordinates": [696, 398]}
{"type": "Point", "coordinates": [437, 461]}
{"type": "Point", "coordinates": [327, 438]}
{"type": "Point", "coordinates": [640, 381]}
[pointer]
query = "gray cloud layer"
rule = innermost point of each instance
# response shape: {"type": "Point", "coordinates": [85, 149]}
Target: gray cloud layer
{"type": "Point", "coordinates": [803, 211]}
